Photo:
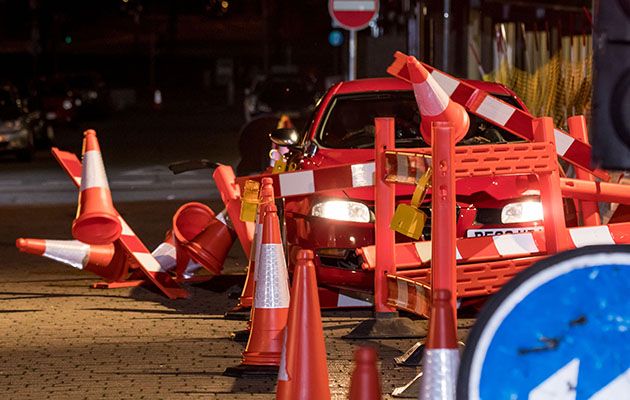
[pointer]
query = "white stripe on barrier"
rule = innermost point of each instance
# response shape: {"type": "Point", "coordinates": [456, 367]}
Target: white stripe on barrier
{"type": "Point", "coordinates": [165, 254]}
{"type": "Point", "coordinates": [518, 243]}
{"type": "Point", "coordinates": [71, 252]}
{"type": "Point", "coordinates": [495, 110]}
{"type": "Point", "coordinates": [347, 301]}
{"type": "Point", "coordinates": [420, 294]}
{"type": "Point", "coordinates": [563, 142]}
{"type": "Point", "coordinates": [591, 235]}
{"type": "Point", "coordinates": [448, 83]}
{"type": "Point", "coordinates": [424, 250]}
{"type": "Point", "coordinates": [93, 171]}
{"type": "Point", "coordinates": [148, 262]}
{"type": "Point", "coordinates": [354, 5]}
{"type": "Point", "coordinates": [430, 97]}
{"type": "Point", "coordinates": [458, 255]}
{"type": "Point", "coordinates": [126, 229]}
{"type": "Point", "coordinates": [402, 297]}
{"type": "Point", "coordinates": [272, 287]}
{"type": "Point", "coordinates": [297, 183]}
{"type": "Point", "coordinates": [402, 165]}
{"type": "Point", "coordinates": [363, 174]}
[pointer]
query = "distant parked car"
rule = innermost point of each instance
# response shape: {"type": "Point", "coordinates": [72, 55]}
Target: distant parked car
{"type": "Point", "coordinates": [291, 94]}
{"type": "Point", "coordinates": [20, 128]}
{"type": "Point", "coordinates": [53, 96]}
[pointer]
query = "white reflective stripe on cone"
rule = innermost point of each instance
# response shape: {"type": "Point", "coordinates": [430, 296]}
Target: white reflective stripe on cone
{"type": "Point", "coordinates": [272, 287]}
{"type": "Point", "coordinates": [71, 252]}
{"type": "Point", "coordinates": [191, 268]}
{"type": "Point", "coordinates": [430, 96]}
{"type": "Point", "coordinates": [93, 173]}
{"type": "Point", "coordinates": [282, 371]}
{"type": "Point", "coordinates": [439, 378]}
{"type": "Point", "coordinates": [256, 249]}
{"type": "Point", "coordinates": [165, 254]}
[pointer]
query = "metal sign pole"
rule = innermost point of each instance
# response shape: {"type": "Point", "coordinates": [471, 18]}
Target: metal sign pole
{"type": "Point", "coordinates": [352, 55]}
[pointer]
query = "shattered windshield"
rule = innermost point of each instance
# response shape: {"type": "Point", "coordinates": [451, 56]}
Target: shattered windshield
{"type": "Point", "coordinates": [349, 122]}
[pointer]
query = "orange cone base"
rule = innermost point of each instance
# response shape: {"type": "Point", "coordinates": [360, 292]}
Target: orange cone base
{"type": "Point", "coordinates": [251, 371]}
{"type": "Point", "coordinates": [96, 228]}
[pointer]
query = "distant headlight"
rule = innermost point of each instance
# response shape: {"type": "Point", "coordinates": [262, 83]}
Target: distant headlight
{"type": "Point", "coordinates": [67, 104]}
{"type": "Point", "coordinates": [342, 210]}
{"type": "Point", "coordinates": [77, 102]}
{"type": "Point", "coordinates": [524, 211]}
{"type": "Point", "coordinates": [92, 94]}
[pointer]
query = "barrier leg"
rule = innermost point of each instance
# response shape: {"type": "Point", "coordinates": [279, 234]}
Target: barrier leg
{"type": "Point", "coordinates": [588, 209]}
{"type": "Point", "coordinates": [556, 234]}
{"type": "Point", "coordinates": [387, 323]}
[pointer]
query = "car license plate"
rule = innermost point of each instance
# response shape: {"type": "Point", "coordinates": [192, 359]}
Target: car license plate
{"type": "Point", "coordinates": [493, 232]}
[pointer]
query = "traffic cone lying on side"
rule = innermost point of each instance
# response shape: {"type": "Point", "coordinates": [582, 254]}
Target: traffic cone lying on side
{"type": "Point", "coordinates": [365, 383]}
{"type": "Point", "coordinates": [166, 256]}
{"type": "Point", "coordinates": [434, 104]}
{"type": "Point", "coordinates": [303, 373]}
{"type": "Point", "coordinates": [97, 221]}
{"type": "Point", "coordinates": [271, 304]}
{"type": "Point", "coordinates": [107, 261]}
{"type": "Point", "coordinates": [441, 354]}
{"type": "Point", "coordinates": [202, 236]}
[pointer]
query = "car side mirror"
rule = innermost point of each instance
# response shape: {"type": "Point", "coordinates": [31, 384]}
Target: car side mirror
{"type": "Point", "coordinates": [287, 137]}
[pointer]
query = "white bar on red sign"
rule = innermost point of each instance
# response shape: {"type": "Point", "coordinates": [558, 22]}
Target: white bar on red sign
{"type": "Point", "coordinates": [354, 5]}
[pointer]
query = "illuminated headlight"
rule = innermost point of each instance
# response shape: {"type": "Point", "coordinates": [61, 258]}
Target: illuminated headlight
{"type": "Point", "coordinates": [342, 210]}
{"type": "Point", "coordinates": [525, 211]}
{"type": "Point", "coordinates": [67, 104]}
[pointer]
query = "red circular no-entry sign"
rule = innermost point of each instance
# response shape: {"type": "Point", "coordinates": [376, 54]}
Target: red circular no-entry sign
{"type": "Point", "coordinates": [353, 15]}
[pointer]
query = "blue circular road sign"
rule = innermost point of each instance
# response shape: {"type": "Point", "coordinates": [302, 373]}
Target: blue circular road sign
{"type": "Point", "coordinates": [335, 38]}
{"type": "Point", "coordinates": [558, 330]}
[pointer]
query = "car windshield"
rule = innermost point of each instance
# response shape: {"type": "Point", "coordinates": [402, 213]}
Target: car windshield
{"type": "Point", "coordinates": [349, 122]}
{"type": "Point", "coordinates": [9, 109]}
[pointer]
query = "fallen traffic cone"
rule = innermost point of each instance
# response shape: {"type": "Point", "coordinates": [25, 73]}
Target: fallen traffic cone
{"type": "Point", "coordinates": [271, 304]}
{"type": "Point", "coordinates": [166, 256]}
{"type": "Point", "coordinates": [434, 104]}
{"type": "Point", "coordinates": [97, 221]}
{"type": "Point", "coordinates": [107, 261]}
{"type": "Point", "coordinates": [441, 354]}
{"type": "Point", "coordinates": [202, 236]}
{"type": "Point", "coordinates": [303, 371]}
{"type": "Point", "coordinates": [365, 383]}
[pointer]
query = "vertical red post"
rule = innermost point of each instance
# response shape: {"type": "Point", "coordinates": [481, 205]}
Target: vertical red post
{"type": "Point", "coordinates": [556, 234]}
{"type": "Point", "coordinates": [385, 203]}
{"type": "Point", "coordinates": [443, 228]}
{"type": "Point", "coordinates": [589, 209]}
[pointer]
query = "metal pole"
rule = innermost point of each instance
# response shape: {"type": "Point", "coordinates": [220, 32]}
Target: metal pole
{"type": "Point", "coordinates": [352, 56]}
{"type": "Point", "coordinates": [446, 34]}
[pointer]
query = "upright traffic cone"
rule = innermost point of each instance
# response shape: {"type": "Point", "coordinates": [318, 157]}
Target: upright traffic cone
{"type": "Point", "coordinates": [441, 354]}
{"type": "Point", "coordinates": [271, 304]}
{"type": "Point", "coordinates": [97, 221]}
{"type": "Point", "coordinates": [107, 261]}
{"type": "Point", "coordinates": [434, 104]}
{"type": "Point", "coordinates": [365, 383]}
{"type": "Point", "coordinates": [303, 373]}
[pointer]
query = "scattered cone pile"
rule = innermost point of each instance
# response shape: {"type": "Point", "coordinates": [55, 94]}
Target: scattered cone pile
{"type": "Point", "coordinates": [303, 371]}
{"type": "Point", "coordinates": [97, 221]}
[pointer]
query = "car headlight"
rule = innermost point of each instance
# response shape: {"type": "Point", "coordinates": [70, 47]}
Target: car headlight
{"type": "Point", "coordinates": [524, 211]}
{"type": "Point", "coordinates": [66, 104]}
{"type": "Point", "coordinates": [342, 210]}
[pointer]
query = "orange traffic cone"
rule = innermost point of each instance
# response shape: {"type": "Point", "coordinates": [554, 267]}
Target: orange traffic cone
{"type": "Point", "coordinates": [441, 353]}
{"type": "Point", "coordinates": [365, 383]}
{"type": "Point", "coordinates": [202, 236]}
{"type": "Point", "coordinates": [97, 220]}
{"type": "Point", "coordinates": [166, 256]}
{"type": "Point", "coordinates": [434, 103]}
{"type": "Point", "coordinates": [271, 304]}
{"type": "Point", "coordinates": [303, 371]}
{"type": "Point", "coordinates": [107, 261]}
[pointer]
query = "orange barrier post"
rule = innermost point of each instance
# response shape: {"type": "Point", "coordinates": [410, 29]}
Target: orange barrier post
{"type": "Point", "coordinates": [556, 234]}
{"type": "Point", "coordinates": [271, 304]}
{"type": "Point", "coordinates": [303, 373]}
{"type": "Point", "coordinates": [441, 356]}
{"type": "Point", "coordinates": [588, 209]}
{"type": "Point", "coordinates": [97, 220]}
{"type": "Point", "coordinates": [225, 180]}
{"type": "Point", "coordinates": [385, 193]}
{"type": "Point", "coordinates": [365, 383]}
